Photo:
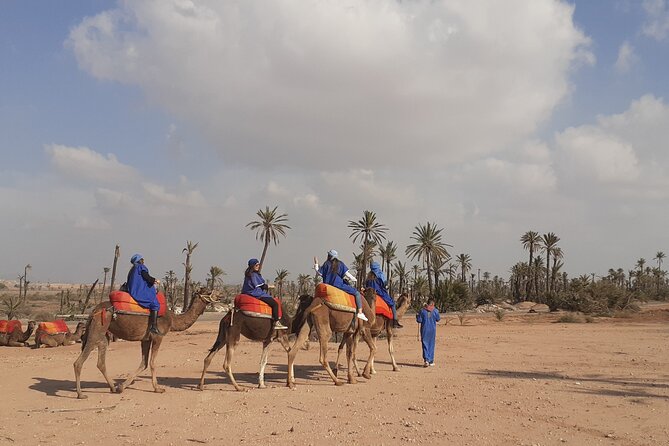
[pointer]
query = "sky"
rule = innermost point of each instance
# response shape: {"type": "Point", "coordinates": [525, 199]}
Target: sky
{"type": "Point", "coordinates": [150, 123]}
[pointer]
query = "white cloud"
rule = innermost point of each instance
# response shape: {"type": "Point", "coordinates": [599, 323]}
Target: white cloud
{"type": "Point", "coordinates": [158, 195]}
{"type": "Point", "coordinates": [626, 58]}
{"type": "Point", "coordinates": [321, 84]}
{"type": "Point", "coordinates": [657, 19]}
{"type": "Point", "coordinates": [84, 163]}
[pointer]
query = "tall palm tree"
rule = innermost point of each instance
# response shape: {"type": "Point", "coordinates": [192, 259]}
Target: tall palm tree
{"type": "Point", "coordinates": [189, 249]}
{"type": "Point", "coordinates": [303, 283]}
{"type": "Point", "coordinates": [548, 244]}
{"type": "Point", "coordinates": [268, 228]}
{"type": "Point", "coordinates": [659, 257]}
{"type": "Point", "coordinates": [388, 253]}
{"type": "Point", "coordinates": [465, 262]}
{"type": "Point", "coordinates": [640, 264]}
{"type": "Point", "coordinates": [25, 282]}
{"type": "Point", "coordinates": [215, 273]}
{"type": "Point", "coordinates": [400, 270]}
{"type": "Point", "coordinates": [106, 270]}
{"type": "Point", "coordinates": [370, 232]}
{"type": "Point", "coordinates": [281, 276]}
{"type": "Point", "coordinates": [531, 242]}
{"type": "Point", "coordinates": [428, 247]}
{"type": "Point", "coordinates": [557, 256]}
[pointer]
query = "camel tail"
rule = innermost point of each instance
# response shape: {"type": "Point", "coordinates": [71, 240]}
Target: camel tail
{"type": "Point", "coordinates": [223, 327]}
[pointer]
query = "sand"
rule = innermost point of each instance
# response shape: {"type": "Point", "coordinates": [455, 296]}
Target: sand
{"type": "Point", "coordinates": [522, 381]}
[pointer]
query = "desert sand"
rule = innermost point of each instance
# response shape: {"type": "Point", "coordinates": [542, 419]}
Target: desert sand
{"type": "Point", "coordinates": [523, 381]}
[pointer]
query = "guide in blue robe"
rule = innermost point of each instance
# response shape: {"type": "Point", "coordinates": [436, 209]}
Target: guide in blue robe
{"type": "Point", "coordinates": [428, 317]}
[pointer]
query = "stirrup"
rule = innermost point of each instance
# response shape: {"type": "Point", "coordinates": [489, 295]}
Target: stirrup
{"type": "Point", "coordinates": [279, 326]}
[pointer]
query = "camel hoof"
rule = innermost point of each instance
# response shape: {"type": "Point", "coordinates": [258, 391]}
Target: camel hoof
{"type": "Point", "coordinates": [200, 387]}
{"type": "Point", "coordinates": [119, 388]}
{"type": "Point", "coordinates": [367, 375]}
{"type": "Point", "coordinates": [339, 383]}
{"type": "Point", "coordinates": [262, 386]}
{"type": "Point", "coordinates": [159, 390]}
{"type": "Point", "coordinates": [82, 397]}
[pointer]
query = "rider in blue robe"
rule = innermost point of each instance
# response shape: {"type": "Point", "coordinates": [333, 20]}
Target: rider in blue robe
{"type": "Point", "coordinates": [254, 285]}
{"type": "Point", "coordinates": [141, 288]}
{"type": "Point", "coordinates": [376, 280]}
{"type": "Point", "coordinates": [333, 272]}
{"type": "Point", "coordinates": [428, 317]}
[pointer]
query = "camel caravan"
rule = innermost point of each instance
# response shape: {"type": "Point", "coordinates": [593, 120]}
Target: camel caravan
{"type": "Point", "coordinates": [330, 310]}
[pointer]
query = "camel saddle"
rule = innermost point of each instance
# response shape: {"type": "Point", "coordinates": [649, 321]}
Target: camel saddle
{"type": "Point", "coordinates": [382, 308]}
{"type": "Point", "coordinates": [124, 304]}
{"type": "Point", "coordinates": [7, 327]}
{"type": "Point", "coordinates": [335, 298]}
{"type": "Point", "coordinates": [53, 328]}
{"type": "Point", "coordinates": [253, 307]}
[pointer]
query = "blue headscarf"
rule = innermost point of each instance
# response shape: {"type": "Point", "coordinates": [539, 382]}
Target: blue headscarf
{"type": "Point", "coordinates": [136, 258]}
{"type": "Point", "coordinates": [253, 262]}
{"type": "Point", "coordinates": [376, 269]}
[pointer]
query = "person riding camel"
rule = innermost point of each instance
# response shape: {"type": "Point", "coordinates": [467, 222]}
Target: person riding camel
{"type": "Point", "coordinates": [376, 280]}
{"type": "Point", "coordinates": [335, 272]}
{"type": "Point", "coordinates": [142, 288]}
{"type": "Point", "coordinates": [255, 286]}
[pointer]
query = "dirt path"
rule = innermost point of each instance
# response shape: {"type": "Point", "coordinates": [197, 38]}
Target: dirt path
{"type": "Point", "coordinates": [523, 381]}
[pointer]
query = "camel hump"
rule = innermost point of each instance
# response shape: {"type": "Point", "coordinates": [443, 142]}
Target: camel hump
{"type": "Point", "coordinates": [53, 328]}
{"type": "Point", "coordinates": [253, 307]}
{"type": "Point", "coordinates": [335, 298]}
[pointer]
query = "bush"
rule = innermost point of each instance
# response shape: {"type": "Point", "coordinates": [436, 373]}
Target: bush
{"type": "Point", "coordinates": [453, 296]}
{"type": "Point", "coordinates": [499, 314]}
{"type": "Point", "coordinates": [599, 298]}
{"type": "Point", "coordinates": [462, 317]}
{"type": "Point", "coordinates": [570, 318]}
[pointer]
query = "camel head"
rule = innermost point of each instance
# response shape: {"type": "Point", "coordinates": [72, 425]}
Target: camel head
{"type": "Point", "coordinates": [207, 295]}
{"type": "Point", "coordinates": [31, 325]}
{"type": "Point", "coordinates": [404, 299]}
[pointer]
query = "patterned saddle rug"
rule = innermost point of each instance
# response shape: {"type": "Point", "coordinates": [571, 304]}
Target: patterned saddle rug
{"type": "Point", "coordinates": [7, 327]}
{"type": "Point", "coordinates": [253, 307]}
{"type": "Point", "coordinates": [124, 304]}
{"type": "Point", "coordinates": [382, 308]}
{"type": "Point", "coordinates": [53, 328]}
{"type": "Point", "coordinates": [335, 298]}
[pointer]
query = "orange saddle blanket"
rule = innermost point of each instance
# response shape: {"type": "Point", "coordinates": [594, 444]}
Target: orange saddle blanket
{"type": "Point", "coordinates": [55, 327]}
{"type": "Point", "coordinates": [255, 307]}
{"type": "Point", "coordinates": [124, 303]}
{"type": "Point", "coordinates": [9, 326]}
{"type": "Point", "coordinates": [336, 298]}
{"type": "Point", "coordinates": [382, 308]}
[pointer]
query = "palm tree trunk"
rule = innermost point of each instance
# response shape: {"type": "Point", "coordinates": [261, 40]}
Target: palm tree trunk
{"type": "Point", "coordinates": [264, 251]}
{"type": "Point", "coordinates": [548, 270]}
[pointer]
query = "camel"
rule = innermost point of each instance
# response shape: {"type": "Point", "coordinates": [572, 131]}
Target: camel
{"type": "Point", "coordinates": [17, 338]}
{"type": "Point", "coordinates": [134, 328]}
{"type": "Point", "coordinates": [236, 323]}
{"type": "Point", "coordinates": [326, 321]}
{"type": "Point", "coordinates": [381, 324]}
{"type": "Point", "coordinates": [43, 339]}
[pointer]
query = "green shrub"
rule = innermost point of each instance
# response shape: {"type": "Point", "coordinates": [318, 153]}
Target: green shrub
{"type": "Point", "coordinates": [499, 313]}
{"type": "Point", "coordinates": [570, 318]}
{"type": "Point", "coordinates": [453, 296]}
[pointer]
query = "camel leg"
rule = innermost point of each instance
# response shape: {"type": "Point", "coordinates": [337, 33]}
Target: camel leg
{"type": "Point", "coordinates": [339, 350]}
{"type": "Point", "coordinates": [79, 363]}
{"type": "Point", "coordinates": [16, 344]}
{"type": "Point", "coordinates": [233, 339]}
{"type": "Point", "coordinates": [350, 354]}
{"type": "Point", "coordinates": [46, 341]}
{"type": "Point", "coordinates": [324, 334]}
{"type": "Point", "coordinates": [102, 364]}
{"type": "Point", "coordinates": [156, 341]}
{"type": "Point", "coordinates": [207, 362]}
{"type": "Point", "coordinates": [367, 336]}
{"type": "Point", "coordinates": [146, 348]}
{"type": "Point", "coordinates": [391, 349]}
{"type": "Point", "coordinates": [221, 341]}
{"type": "Point", "coordinates": [283, 340]}
{"type": "Point", "coordinates": [263, 362]}
{"type": "Point", "coordinates": [292, 353]}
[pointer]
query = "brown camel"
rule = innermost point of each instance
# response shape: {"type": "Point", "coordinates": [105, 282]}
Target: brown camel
{"type": "Point", "coordinates": [134, 328]}
{"type": "Point", "coordinates": [327, 320]}
{"type": "Point", "coordinates": [17, 338]}
{"type": "Point", "coordinates": [382, 324]}
{"type": "Point", "coordinates": [43, 339]}
{"type": "Point", "coordinates": [253, 328]}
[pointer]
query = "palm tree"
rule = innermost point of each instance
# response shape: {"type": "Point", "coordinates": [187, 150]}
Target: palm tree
{"type": "Point", "coordinates": [557, 255]}
{"type": "Point", "coordinates": [104, 281]}
{"type": "Point", "coordinates": [659, 257]}
{"type": "Point", "coordinates": [281, 276]}
{"type": "Point", "coordinates": [190, 247]}
{"type": "Point", "coordinates": [549, 242]}
{"type": "Point", "coordinates": [215, 272]}
{"type": "Point", "coordinates": [531, 242]}
{"type": "Point", "coordinates": [428, 247]}
{"type": "Point", "coordinates": [268, 228]}
{"type": "Point", "coordinates": [439, 267]}
{"type": "Point", "coordinates": [25, 282]}
{"type": "Point", "coordinates": [169, 285]}
{"type": "Point", "coordinates": [465, 262]}
{"type": "Point", "coordinates": [303, 283]}
{"type": "Point", "coordinates": [388, 253]}
{"type": "Point", "coordinates": [370, 232]}
{"type": "Point", "coordinates": [400, 270]}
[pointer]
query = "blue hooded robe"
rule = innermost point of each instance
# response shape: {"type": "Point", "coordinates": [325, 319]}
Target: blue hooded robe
{"type": "Point", "coordinates": [428, 318]}
{"type": "Point", "coordinates": [139, 288]}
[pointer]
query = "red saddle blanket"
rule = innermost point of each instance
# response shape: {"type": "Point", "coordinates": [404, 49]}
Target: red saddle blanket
{"type": "Point", "coordinates": [124, 302]}
{"type": "Point", "coordinates": [55, 327]}
{"type": "Point", "coordinates": [335, 298]}
{"type": "Point", "coordinates": [382, 308]}
{"type": "Point", "coordinates": [250, 304]}
{"type": "Point", "coordinates": [9, 326]}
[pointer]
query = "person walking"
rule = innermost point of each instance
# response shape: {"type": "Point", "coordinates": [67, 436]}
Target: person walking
{"type": "Point", "coordinates": [427, 319]}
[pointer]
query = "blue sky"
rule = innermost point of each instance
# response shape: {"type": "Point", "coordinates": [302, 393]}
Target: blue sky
{"type": "Point", "coordinates": [152, 123]}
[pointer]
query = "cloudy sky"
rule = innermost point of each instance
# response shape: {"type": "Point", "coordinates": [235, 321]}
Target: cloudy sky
{"type": "Point", "coordinates": [148, 123]}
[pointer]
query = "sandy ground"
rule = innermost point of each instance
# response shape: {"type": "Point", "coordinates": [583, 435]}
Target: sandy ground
{"type": "Point", "coordinates": [522, 381]}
